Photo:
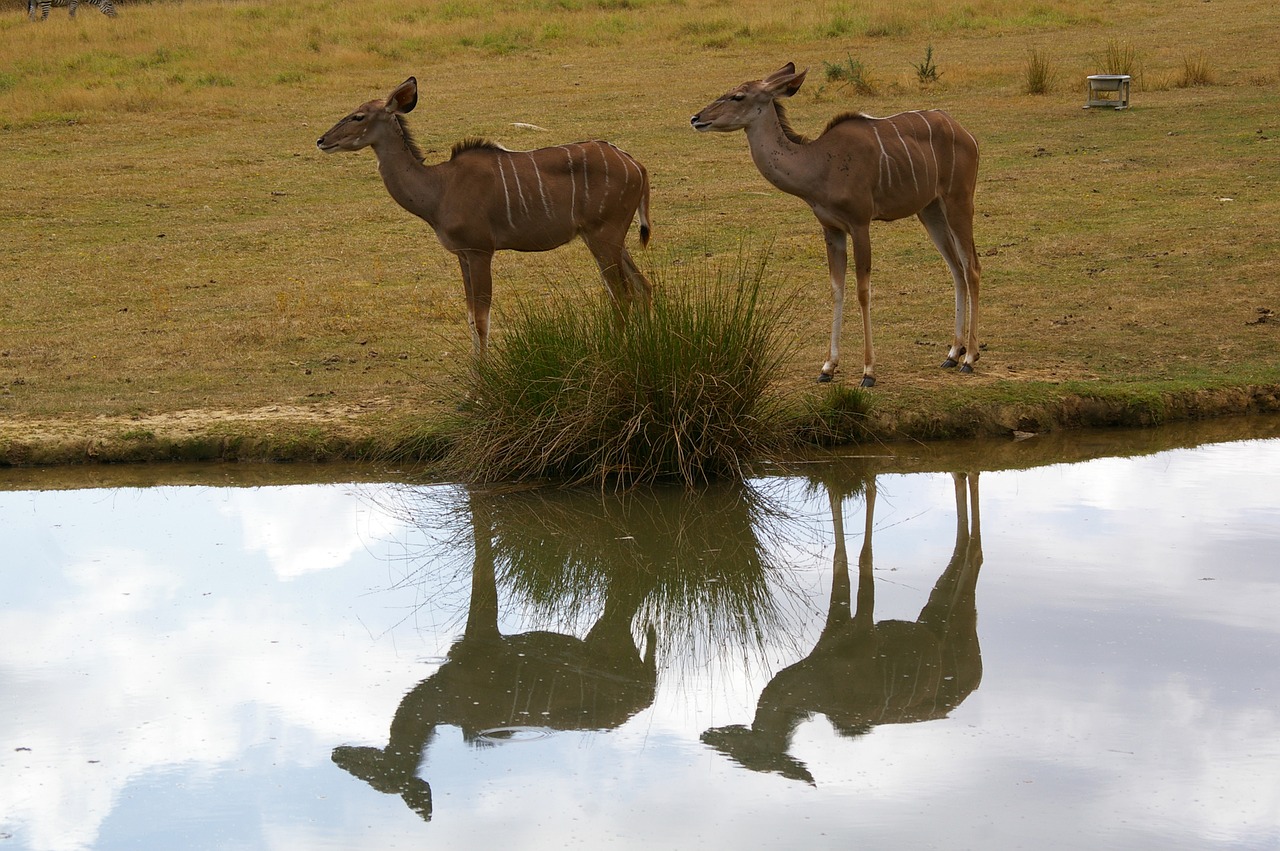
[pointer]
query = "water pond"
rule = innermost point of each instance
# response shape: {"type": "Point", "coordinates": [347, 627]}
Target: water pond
{"type": "Point", "coordinates": [1066, 643]}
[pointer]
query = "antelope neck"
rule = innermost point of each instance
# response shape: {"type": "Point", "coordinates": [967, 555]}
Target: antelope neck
{"type": "Point", "coordinates": [413, 184]}
{"type": "Point", "coordinates": [782, 161]}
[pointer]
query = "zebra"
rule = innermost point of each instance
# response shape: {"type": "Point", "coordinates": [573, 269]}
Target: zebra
{"type": "Point", "coordinates": [107, 7]}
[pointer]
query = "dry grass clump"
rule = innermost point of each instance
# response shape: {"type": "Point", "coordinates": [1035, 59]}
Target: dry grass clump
{"type": "Point", "coordinates": [683, 392]}
{"type": "Point", "coordinates": [1121, 57]}
{"type": "Point", "coordinates": [1196, 71]}
{"type": "Point", "coordinates": [1039, 74]}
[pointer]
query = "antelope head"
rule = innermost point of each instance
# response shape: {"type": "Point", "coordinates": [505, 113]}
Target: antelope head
{"type": "Point", "coordinates": [370, 121]}
{"type": "Point", "coordinates": [741, 106]}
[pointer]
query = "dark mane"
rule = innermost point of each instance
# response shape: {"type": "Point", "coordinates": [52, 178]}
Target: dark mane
{"type": "Point", "coordinates": [843, 117]}
{"type": "Point", "coordinates": [473, 144]}
{"type": "Point", "coordinates": [409, 142]}
{"type": "Point", "coordinates": [800, 139]}
{"type": "Point", "coordinates": [785, 122]}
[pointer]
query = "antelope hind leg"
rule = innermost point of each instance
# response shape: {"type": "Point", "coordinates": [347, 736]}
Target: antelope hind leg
{"type": "Point", "coordinates": [962, 263]}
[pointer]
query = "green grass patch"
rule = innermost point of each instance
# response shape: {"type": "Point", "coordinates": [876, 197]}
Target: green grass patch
{"type": "Point", "coordinates": [926, 69]}
{"type": "Point", "coordinates": [852, 73]}
{"type": "Point", "coordinates": [682, 392]}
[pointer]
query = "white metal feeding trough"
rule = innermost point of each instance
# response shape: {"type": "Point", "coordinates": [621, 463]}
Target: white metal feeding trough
{"type": "Point", "coordinates": [1109, 90]}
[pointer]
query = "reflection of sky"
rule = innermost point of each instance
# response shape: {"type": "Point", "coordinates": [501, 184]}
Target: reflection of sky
{"type": "Point", "coordinates": [176, 665]}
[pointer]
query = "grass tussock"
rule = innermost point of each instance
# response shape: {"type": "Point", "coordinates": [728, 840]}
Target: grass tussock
{"type": "Point", "coordinates": [682, 392]}
{"type": "Point", "coordinates": [1196, 71]}
{"type": "Point", "coordinates": [852, 73]}
{"type": "Point", "coordinates": [835, 415]}
{"type": "Point", "coordinates": [1121, 58]}
{"type": "Point", "coordinates": [1039, 75]}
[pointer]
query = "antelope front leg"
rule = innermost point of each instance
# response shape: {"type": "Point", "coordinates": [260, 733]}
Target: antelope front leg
{"type": "Point", "coordinates": [477, 283]}
{"type": "Point", "coordinates": [973, 276]}
{"type": "Point", "coordinates": [965, 344]}
{"type": "Point", "coordinates": [837, 264]}
{"type": "Point", "coordinates": [862, 271]}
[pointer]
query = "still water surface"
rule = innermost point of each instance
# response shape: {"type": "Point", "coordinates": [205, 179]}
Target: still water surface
{"type": "Point", "coordinates": [1064, 655]}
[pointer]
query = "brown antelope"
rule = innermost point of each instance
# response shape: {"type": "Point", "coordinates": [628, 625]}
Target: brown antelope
{"type": "Point", "coordinates": [859, 169]}
{"type": "Point", "coordinates": [491, 680]}
{"type": "Point", "coordinates": [485, 198]}
{"type": "Point", "coordinates": [862, 673]}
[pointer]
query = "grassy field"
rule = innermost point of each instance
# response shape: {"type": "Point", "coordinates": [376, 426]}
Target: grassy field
{"type": "Point", "coordinates": [185, 275]}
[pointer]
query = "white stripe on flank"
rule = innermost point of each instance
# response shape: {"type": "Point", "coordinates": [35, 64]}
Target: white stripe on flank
{"type": "Point", "coordinates": [627, 162]}
{"type": "Point", "coordinates": [506, 194]}
{"type": "Point", "coordinates": [910, 160]}
{"type": "Point", "coordinates": [586, 178]}
{"type": "Point", "coordinates": [573, 187]}
{"type": "Point", "coordinates": [936, 172]}
{"type": "Point", "coordinates": [604, 194]}
{"type": "Point", "coordinates": [542, 190]}
{"type": "Point", "coordinates": [951, 178]}
{"type": "Point", "coordinates": [883, 168]}
{"type": "Point", "coordinates": [515, 174]}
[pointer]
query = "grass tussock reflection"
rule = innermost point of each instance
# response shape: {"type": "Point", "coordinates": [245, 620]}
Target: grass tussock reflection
{"type": "Point", "coordinates": [699, 562]}
{"type": "Point", "coordinates": [635, 576]}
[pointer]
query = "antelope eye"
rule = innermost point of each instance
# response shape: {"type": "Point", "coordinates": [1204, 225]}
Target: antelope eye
{"type": "Point", "coordinates": [738, 96]}
{"type": "Point", "coordinates": [359, 116]}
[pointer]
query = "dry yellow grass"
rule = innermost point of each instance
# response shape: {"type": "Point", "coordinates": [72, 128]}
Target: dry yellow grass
{"type": "Point", "coordinates": [173, 242]}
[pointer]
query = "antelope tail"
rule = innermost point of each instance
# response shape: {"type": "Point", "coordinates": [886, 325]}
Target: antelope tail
{"type": "Point", "coordinates": [645, 229]}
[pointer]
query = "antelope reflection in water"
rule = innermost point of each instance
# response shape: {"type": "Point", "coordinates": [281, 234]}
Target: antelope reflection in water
{"type": "Point", "coordinates": [861, 673]}
{"type": "Point", "coordinates": [665, 562]}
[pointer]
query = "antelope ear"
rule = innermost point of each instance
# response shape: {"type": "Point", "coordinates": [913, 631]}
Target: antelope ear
{"type": "Point", "coordinates": [785, 71]}
{"type": "Point", "coordinates": [404, 98]}
{"type": "Point", "coordinates": [796, 82]}
{"type": "Point", "coordinates": [785, 82]}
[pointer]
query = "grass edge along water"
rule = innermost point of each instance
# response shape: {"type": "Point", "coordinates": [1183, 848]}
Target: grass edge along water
{"type": "Point", "coordinates": [685, 391]}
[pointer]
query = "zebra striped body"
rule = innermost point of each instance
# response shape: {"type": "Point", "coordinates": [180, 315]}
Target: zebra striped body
{"type": "Point", "coordinates": [105, 6]}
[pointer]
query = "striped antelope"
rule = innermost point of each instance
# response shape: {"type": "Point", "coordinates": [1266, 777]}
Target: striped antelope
{"type": "Point", "coordinates": [105, 6]}
{"type": "Point", "coordinates": [863, 673]}
{"type": "Point", "coordinates": [485, 198]}
{"type": "Point", "coordinates": [863, 168]}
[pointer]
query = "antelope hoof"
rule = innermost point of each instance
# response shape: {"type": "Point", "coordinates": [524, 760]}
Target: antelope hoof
{"type": "Point", "coordinates": [950, 363]}
{"type": "Point", "coordinates": [825, 377]}
{"type": "Point", "coordinates": [868, 381]}
{"type": "Point", "coordinates": [967, 368]}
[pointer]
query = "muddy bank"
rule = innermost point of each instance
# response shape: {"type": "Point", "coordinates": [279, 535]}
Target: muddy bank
{"type": "Point", "coordinates": [375, 433]}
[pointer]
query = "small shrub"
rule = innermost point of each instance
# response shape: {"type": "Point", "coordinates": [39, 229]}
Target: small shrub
{"type": "Point", "coordinates": [1120, 59]}
{"type": "Point", "coordinates": [851, 72]}
{"type": "Point", "coordinates": [681, 392]}
{"type": "Point", "coordinates": [838, 414]}
{"type": "Point", "coordinates": [1039, 74]}
{"type": "Point", "coordinates": [926, 71]}
{"type": "Point", "coordinates": [1195, 72]}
